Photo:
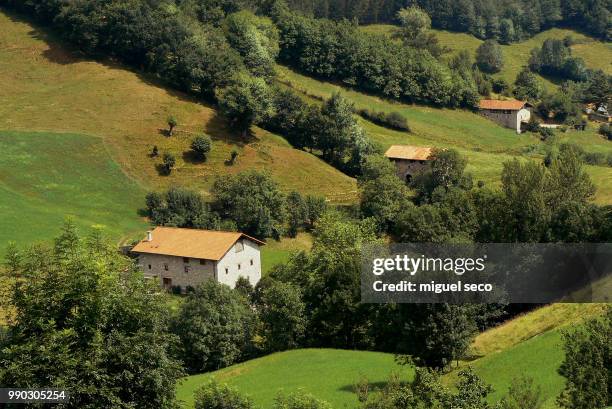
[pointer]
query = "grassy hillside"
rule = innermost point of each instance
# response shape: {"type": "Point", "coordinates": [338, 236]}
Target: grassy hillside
{"type": "Point", "coordinates": [328, 374]}
{"type": "Point", "coordinates": [45, 177]}
{"type": "Point", "coordinates": [529, 345]}
{"type": "Point", "coordinates": [486, 144]}
{"type": "Point", "coordinates": [47, 87]}
{"type": "Point", "coordinates": [596, 54]}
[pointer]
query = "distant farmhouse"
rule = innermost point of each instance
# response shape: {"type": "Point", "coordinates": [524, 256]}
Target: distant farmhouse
{"type": "Point", "coordinates": [182, 258]}
{"type": "Point", "coordinates": [409, 160]}
{"type": "Point", "coordinates": [598, 112]}
{"type": "Point", "coordinates": [509, 113]}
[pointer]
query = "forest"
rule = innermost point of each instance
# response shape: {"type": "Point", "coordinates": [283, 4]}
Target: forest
{"type": "Point", "coordinates": [494, 19]}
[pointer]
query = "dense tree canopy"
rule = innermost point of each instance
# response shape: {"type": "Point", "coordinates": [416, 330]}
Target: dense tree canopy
{"type": "Point", "coordinates": [215, 325]}
{"type": "Point", "coordinates": [496, 19]}
{"type": "Point", "coordinates": [85, 319]}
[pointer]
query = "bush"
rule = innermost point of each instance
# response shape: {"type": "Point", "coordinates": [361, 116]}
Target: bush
{"type": "Point", "coordinates": [606, 131]}
{"type": "Point", "coordinates": [172, 123]}
{"type": "Point", "coordinates": [546, 133]}
{"type": "Point", "coordinates": [595, 158]}
{"type": "Point", "coordinates": [168, 163]}
{"type": "Point", "coordinates": [201, 146]}
{"type": "Point", "coordinates": [176, 290]}
{"type": "Point", "coordinates": [489, 57]}
{"type": "Point", "coordinates": [393, 120]}
{"type": "Point", "coordinates": [215, 396]}
{"type": "Point", "coordinates": [500, 85]}
{"type": "Point", "coordinates": [299, 400]}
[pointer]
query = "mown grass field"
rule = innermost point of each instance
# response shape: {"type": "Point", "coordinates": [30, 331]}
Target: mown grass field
{"type": "Point", "coordinates": [48, 87]}
{"type": "Point", "coordinates": [596, 54]}
{"type": "Point", "coordinates": [329, 374]}
{"type": "Point", "coordinates": [485, 144]}
{"type": "Point", "coordinates": [45, 177]}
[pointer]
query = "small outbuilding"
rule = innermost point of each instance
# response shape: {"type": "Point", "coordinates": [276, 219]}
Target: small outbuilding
{"type": "Point", "coordinates": [181, 258]}
{"type": "Point", "coordinates": [409, 160]}
{"type": "Point", "coordinates": [510, 113]}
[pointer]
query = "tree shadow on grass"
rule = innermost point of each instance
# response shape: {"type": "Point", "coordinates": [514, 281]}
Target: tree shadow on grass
{"type": "Point", "coordinates": [373, 386]}
{"type": "Point", "coordinates": [61, 52]}
{"type": "Point", "coordinates": [162, 170]}
{"type": "Point", "coordinates": [193, 158]}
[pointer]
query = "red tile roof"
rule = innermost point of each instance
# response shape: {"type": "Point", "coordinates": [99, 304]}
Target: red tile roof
{"type": "Point", "coordinates": [497, 104]}
{"type": "Point", "coordinates": [192, 243]}
{"type": "Point", "coordinates": [408, 152]}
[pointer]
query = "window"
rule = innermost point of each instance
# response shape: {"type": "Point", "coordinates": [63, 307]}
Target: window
{"type": "Point", "coordinates": [238, 266]}
{"type": "Point", "coordinates": [239, 247]}
{"type": "Point", "coordinates": [251, 261]}
{"type": "Point", "coordinates": [166, 266]}
{"type": "Point", "coordinates": [186, 269]}
{"type": "Point", "coordinates": [149, 266]}
{"type": "Point", "coordinates": [203, 262]}
{"type": "Point", "coordinates": [226, 270]}
{"type": "Point", "coordinates": [185, 259]}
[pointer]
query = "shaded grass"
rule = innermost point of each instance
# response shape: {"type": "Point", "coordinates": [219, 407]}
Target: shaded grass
{"type": "Point", "coordinates": [45, 177]}
{"type": "Point", "coordinates": [48, 87]}
{"type": "Point", "coordinates": [532, 324]}
{"type": "Point", "coordinates": [329, 374]}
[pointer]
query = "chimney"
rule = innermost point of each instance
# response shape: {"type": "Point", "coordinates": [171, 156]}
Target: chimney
{"type": "Point", "coordinates": [149, 235]}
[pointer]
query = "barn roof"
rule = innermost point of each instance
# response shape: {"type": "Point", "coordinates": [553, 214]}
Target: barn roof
{"type": "Point", "coordinates": [408, 152]}
{"type": "Point", "coordinates": [192, 243]}
{"type": "Point", "coordinates": [498, 104]}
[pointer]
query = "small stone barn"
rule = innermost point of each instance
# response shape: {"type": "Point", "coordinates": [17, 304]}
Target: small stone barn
{"type": "Point", "coordinates": [409, 160]}
{"type": "Point", "coordinates": [509, 113]}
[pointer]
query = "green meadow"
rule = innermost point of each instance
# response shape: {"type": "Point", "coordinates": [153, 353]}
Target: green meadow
{"type": "Point", "coordinates": [46, 177]}
{"type": "Point", "coordinates": [528, 345]}
{"type": "Point", "coordinates": [329, 374]}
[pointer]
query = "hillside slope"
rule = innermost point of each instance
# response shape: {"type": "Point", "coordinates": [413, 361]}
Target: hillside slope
{"type": "Point", "coordinates": [486, 144]}
{"type": "Point", "coordinates": [329, 374]}
{"type": "Point", "coordinates": [528, 345]}
{"type": "Point", "coordinates": [45, 177]}
{"type": "Point", "coordinates": [596, 54]}
{"type": "Point", "coordinates": [47, 87]}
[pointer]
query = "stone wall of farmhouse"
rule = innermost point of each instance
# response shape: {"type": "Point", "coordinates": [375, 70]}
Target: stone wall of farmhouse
{"type": "Point", "coordinates": [243, 259]}
{"type": "Point", "coordinates": [405, 167]}
{"type": "Point", "coordinates": [239, 261]}
{"type": "Point", "coordinates": [160, 267]}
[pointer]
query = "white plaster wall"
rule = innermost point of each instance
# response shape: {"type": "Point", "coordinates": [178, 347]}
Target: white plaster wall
{"type": "Point", "coordinates": [232, 259]}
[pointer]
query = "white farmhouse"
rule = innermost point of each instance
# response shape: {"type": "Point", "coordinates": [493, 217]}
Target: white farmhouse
{"type": "Point", "coordinates": [182, 258]}
{"type": "Point", "coordinates": [509, 113]}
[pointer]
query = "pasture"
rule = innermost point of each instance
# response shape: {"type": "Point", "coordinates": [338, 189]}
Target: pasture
{"type": "Point", "coordinates": [46, 177]}
{"type": "Point", "coordinates": [329, 374]}
{"type": "Point", "coordinates": [48, 86]}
